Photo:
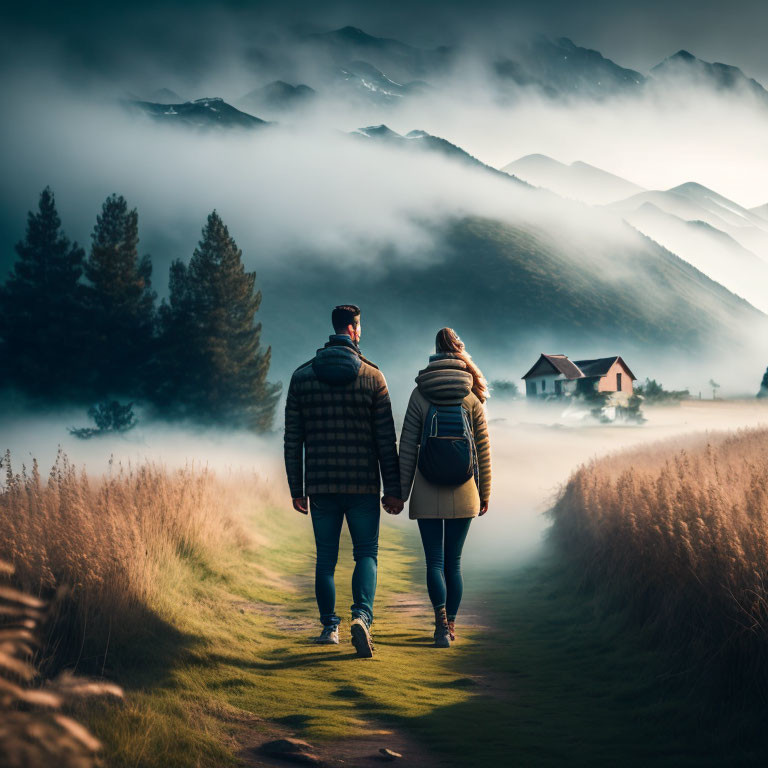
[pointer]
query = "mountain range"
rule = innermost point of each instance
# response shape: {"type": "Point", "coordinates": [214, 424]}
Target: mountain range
{"type": "Point", "coordinates": [716, 235]}
{"type": "Point", "coordinates": [351, 63]}
{"type": "Point", "coordinates": [555, 68]}
{"type": "Point", "coordinates": [201, 114]}
{"type": "Point", "coordinates": [577, 181]}
{"type": "Point", "coordinates": [697, 253]}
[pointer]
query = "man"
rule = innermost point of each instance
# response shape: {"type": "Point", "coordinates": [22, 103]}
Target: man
{"type": "Point", "coordinates": [339, 435]}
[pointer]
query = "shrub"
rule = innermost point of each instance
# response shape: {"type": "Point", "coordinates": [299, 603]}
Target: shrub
{"type": "Point", "coordinates": [505, 389]}
{"type": "Point", "coordinates": [109, 417]}
{"type": "Point", "coordinates": [654, 393]}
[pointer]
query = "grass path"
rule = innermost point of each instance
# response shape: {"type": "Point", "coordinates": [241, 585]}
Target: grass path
{"type": "Point", "coordinates": [231, 666]}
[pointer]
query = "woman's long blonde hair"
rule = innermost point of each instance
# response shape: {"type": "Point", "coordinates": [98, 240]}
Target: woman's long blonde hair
{"type": "Point", "coordinates": [448, 340]}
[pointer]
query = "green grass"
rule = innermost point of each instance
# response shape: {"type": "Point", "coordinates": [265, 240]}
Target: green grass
{"type": "Point", "coordinates": [581, 687]}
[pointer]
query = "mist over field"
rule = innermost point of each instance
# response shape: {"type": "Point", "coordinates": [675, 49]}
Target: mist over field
{"type": "Point", "coordinates": [535, 448]}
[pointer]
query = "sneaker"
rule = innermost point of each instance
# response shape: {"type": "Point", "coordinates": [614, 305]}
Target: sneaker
{"type": "Point", "coordinates": [361, 638]}
{"type": "Point", "coordinates": [452, 629]}
{"type": "Point", "coordinates": [329, 636]}
{"type": "Point", "coordinates": [442, 633]}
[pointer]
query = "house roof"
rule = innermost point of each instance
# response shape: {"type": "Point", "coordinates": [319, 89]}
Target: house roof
{"type": "Point", "coordinates": [601, 365]}
{"type": "Point", "coordinates": [559, 364]}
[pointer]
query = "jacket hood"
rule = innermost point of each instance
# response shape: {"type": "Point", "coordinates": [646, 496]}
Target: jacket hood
{"type": "Point", "coordinates": [338, 362]}
{"type": "Point", "coordinates": [445, 381]}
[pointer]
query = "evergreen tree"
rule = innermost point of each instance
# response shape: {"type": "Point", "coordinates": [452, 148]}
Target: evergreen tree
{"type": "Point", "coordinates": [121, 302]}
{"type": "Point", "coordinates": [764, 385]}
{"type": "Point", "coordinates": [41, 309]}
{"type": "Point", "coordinates": [212, 364]}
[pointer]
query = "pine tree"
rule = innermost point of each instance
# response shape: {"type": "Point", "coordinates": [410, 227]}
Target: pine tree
{"type": "Point", "coordinates": [121, 302]}
{"type": "Point", "coordinates": [213, 366]}
{"type": "Point", "coordinates": [41, 309]}
{"type": "Point", "coordinates": [764, 385]}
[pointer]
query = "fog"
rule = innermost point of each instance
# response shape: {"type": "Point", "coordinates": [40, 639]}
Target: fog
{"type": "Point", "coordinates": [534, 449]}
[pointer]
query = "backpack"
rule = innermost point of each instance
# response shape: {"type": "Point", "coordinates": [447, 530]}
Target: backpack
{"type": "Point", "coordinates": [447, 455]}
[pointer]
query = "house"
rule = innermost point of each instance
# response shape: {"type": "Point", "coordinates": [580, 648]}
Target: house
{"type": "Point", "coordinates": [558, 376]}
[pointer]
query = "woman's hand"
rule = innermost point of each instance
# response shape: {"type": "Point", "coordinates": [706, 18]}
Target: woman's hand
{"type": "Point", "coordinates": [483, 507]}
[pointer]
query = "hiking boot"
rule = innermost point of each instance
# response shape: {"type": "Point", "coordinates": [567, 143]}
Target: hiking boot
{"type": "Point", "coordinates": [452, 628]}
{"type": "Point", "coordinates": [329, 636]}
{"type": "Point", "coordinates": [361, 638]}
{"type": "Point", "coordinates": [442, 633]}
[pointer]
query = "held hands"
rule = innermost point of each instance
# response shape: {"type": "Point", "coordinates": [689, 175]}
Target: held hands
{"type": "Point", "coordinates": [483, 507]}
{"type": "Point", "coordinates": [391, 504]}
{"type": "Point", "coordinates": [394, 506]}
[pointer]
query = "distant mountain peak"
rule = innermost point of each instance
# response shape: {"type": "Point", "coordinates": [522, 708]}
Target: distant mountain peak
{"type": "Point", "coordinates": [722, 76]}
{"type": "Point", "coordinates": [691, 186]}
{"type": "Point", "coordinates": [380, 131]}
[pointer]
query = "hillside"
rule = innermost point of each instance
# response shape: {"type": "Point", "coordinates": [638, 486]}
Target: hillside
{"type": "Point", "coordinates": [422, 141]}
{"type": "Point", "coordinates": [684, 66]}
{"type": "Point", "coordinates": [695, 202]}
{"type": "Point", "coordinates": [561, 68]}
{"type": "Point", "coordinates": [712, 251]}
{"type": "Point", "coordinates": [578, 181]}
{"type": "Point", "coordinates": [202, 113]}
{"type": "Point", "coordinates": [506, 286]}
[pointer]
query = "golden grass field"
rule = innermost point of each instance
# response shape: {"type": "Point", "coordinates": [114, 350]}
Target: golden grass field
{"type": "Point", "coordinates": [678, 532]}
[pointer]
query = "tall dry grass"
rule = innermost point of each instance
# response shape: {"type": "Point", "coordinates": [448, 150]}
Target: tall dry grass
{"type": "Point", "coordinates": [34, 728]}
{"type": "Point", "coordinates": [678, 533]}
{"type": "Point", "coordinates": [113, 541]}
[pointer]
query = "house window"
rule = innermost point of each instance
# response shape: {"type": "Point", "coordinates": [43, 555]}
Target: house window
{"type": "Point", "coordinates": [543, 384]}
{"type": "Point", "coordinates": [558, 387]}
{"type": "Point", "coordinates": [618, 382]}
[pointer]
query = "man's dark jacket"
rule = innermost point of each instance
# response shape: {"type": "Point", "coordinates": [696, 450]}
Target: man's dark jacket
{"type": "Point", "coordinates": [339, 428]}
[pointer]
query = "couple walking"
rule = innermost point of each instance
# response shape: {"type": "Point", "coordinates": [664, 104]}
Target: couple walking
{"type": "Point", "coordinates": [340, 446]}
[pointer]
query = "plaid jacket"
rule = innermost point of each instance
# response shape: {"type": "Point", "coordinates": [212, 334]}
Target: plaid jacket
{"type": "Point", "coordinates": [339, 430]}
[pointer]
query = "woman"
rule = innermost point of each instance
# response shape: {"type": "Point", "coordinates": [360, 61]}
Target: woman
{"type": "Point", "coordinates": [445, 511]}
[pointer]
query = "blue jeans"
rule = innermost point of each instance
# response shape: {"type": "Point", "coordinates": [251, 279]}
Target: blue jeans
{"type": "Point", "coordinates": [363, 513]}
{"type": "Point", "coordinates": [443, 541]}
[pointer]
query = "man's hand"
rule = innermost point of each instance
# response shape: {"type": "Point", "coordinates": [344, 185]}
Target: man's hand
{"type": "Point", "coordinates": [301, 504]}
{"type": "Point", "coordinates": [394, 506]}
{"type": "Point", "coordinates": [483, 507]}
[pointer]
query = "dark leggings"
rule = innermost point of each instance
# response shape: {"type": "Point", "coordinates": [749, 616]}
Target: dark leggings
{"type": "Point", "coordinates": [443, 541]}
